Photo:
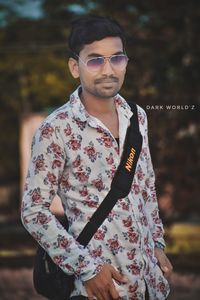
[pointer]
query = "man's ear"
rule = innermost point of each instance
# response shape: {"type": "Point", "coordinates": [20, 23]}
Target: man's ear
{"type": "Point", "coordinates": [73, 67]}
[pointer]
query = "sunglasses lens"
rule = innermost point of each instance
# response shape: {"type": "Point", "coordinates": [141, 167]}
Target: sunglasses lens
{"type": "Point", "coordinates": [119, 60]}
{"type": "Point", "coordinates": [95, 63]}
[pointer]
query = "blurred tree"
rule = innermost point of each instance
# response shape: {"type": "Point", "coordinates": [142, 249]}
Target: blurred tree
{"type": "Point", "coordinates": [163, 47]}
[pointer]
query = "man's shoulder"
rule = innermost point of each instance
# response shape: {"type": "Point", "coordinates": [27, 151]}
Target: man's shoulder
{"type": "Point", "coordinates": [59, 115]}
{"type": "Point", "coordinates": [140, 111]}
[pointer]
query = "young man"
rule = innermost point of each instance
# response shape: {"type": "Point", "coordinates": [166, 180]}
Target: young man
{"type": "Point", "coordinates": [75, 154]}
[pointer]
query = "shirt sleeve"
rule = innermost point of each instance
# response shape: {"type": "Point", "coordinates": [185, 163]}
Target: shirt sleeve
{"type": "Point", "coordinates": [156, 225]}
{"type": "Point", "coordinates": [45, 170]}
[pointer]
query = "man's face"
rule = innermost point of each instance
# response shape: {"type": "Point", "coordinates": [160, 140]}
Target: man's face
{"type": "Point", "coordinates": [105, 81]}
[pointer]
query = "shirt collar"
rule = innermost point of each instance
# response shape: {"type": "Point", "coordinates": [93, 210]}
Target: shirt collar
{"type": "Point", "coordinates": [81, 114]}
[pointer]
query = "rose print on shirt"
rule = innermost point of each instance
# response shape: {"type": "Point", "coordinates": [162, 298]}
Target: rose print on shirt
{"type": "Point", "coordinates": [50, 179]}
{"type": "Point", "coordinates": [128, 222]}
{"type": "Point", "coordinates": [143, 220]}
{"type": "Point", "coordinates": [131, 236]}
{"type": "Point", "coordinates": [155, 217]}
{"type": "Point", "coordinates": [36, 196]}
{"type": "Point", "coordinates": [62, 115]}
{"type": "Point", "coordinates": [39, 163]}
{"type": "Point", "coordinates": [62, 242]}
{"type": "Point", "coordinates": [75, 143]}
{"type": "Point", "coordinates": [106, 140]}
{"type": "Point", "coordinates": [112, 215]}
{"type": "Point", "coordinates": [82, 174]}
{"type": "Point", "coordinates": [143, 217]}
{"type": "Point", "coordinates": [157, 234]}
{"type": "Point", "coordinates": [145, 196]}
{"type": "Point", "coordinates": [100, 234]}
{"type": "Point", "coordinates": [141, 118]}
{"type": "Point", "coordinates": [135, 292]}
{"type": "Point", "coordinates": [56, 164]}
{"type": "Point", "coordinates": [140, 206]}
{"type": "Point", "coordinates": [81, 125]}
{"type": "Point", "coordinates": [66, 186]}
{"type": "Point", "coordinates": [46, 131]}
{"type": "Point", "coordinates": [76, 163]}
{"type": "Point", "coordinates": [46, 245]}
{"type": "Point", "coordinates": [91, 201]}
{"type": "Point", "coordinates": [98, 183]}
{"type": "Point", "coordinates": [125, 205]}
{"type": "Point", "coordinates": [110, 173]}
{"type": "Point", "coordinates": [139, 173]}
{"type": "Point", "coordinates": [67, 130]}
{"type": "Point", "coordinates": [97, 252]}
{"type": "Point", "coordinates": [136, 188]}
{"type": "Point", "coordinates": [81, 264]}
{"type": "Point", "coordinates": [36, 235]}
{"type": "Point", "coordinates": [131, 254]}
{"type": "Point", "coordinates": [114, 245]}
{"type": "Point", "coordinates": [153, 193]}
{"type": "Point", "coordinates": [143, 154]}
{"type": "Point", "coordinates": [91, 152]}
{"type": "Point", "coordinates": [42, 219]}
{"type": "Point", "coordinates": [134, 268]}
{"type": "Point", "coordinates": [58, 259]}
{"type": "Point", "coordinates": [84, 191]}
{"type": "Point", "coordinates": [55, 149]}
{"type": "Point", "coordinates": [132, 289]}
{"type": "Point", "coordinates": [110, 159]}
{"type": "Point", "coordinates": [161, 286]}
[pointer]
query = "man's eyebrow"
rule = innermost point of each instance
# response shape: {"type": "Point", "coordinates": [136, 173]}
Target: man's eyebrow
{"type": "Point", "coordinates": [100, 55]}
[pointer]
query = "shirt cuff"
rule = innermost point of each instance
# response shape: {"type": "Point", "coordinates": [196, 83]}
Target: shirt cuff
{"type": "Point", "coordinates": [159, 245]}
{"type": "Point", "coordinates": [91, 270]}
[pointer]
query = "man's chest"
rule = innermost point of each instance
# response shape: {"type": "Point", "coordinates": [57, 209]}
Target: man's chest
{"type": "Point", "coordinates": [111, 123]}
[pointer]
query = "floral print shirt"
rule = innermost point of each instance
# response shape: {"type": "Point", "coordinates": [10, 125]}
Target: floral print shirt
{"type": "Point", "coordinates": [75, 156]}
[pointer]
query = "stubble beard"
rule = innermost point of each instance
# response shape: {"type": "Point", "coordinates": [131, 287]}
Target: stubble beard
{"type": "Point", "coordinates": [104, 91]}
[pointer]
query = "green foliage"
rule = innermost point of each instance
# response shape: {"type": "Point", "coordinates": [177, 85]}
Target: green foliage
{"type": "Point", "coordinates": [163, 47]}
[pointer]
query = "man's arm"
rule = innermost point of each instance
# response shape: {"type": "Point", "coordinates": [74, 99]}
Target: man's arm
{"type": "Point", "coordinates": [45, 171]}
{"type": "Point", "coordinates": [156, 225]}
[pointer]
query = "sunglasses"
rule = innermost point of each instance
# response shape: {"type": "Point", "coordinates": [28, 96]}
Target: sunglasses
{"type": "Point", "coordinates": [116, 61]}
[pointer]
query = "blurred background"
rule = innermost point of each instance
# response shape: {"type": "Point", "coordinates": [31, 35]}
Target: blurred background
{"type": "Point", "coordinates": [162, 77]}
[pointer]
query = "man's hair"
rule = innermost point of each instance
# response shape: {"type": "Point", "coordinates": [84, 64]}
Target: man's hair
{"type": "Point", "coordinates": [90, 28]}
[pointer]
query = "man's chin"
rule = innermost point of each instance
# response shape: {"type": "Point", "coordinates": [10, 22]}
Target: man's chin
{"type": "Point", "coordinates": [107, 93]}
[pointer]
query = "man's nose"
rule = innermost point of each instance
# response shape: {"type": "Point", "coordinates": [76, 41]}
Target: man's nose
{"type": "Point", "coordinates": [107, 68]}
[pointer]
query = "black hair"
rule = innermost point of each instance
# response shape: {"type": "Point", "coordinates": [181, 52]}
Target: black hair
{"type": "Point", "coordinates": [89, 28]}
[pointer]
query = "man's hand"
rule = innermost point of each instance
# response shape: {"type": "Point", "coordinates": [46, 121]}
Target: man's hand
{"type": "Point", "coordinates": [163, 262]}
{"type": "Point", "coordinates": [102, 287]}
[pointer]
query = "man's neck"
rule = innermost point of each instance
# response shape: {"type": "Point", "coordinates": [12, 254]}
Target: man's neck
{"type": "Point", "coordinates": [96, 106]}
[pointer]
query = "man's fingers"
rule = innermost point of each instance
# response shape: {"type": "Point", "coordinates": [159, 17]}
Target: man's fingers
{"type": "Point", "coordinates": [166, 266]}
{"type": "Point", "coordinates": [163, 262]}
{"type": "Point", "coordinates": [102, 295]}
{"type": "Point", "coordinates": [102, 286]}
{"type": "Point", "coordinates": [118, 276]}
{"type": "Point", "coordinates": [90, 294]}
{"type": "Point", "coordinates": [98, 293]}
{"type": "Point", "coordinates": [113, 292]}
{"type": "Point", "coordinates": [105, 295]}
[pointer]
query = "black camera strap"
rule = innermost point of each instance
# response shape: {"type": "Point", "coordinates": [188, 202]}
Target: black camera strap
{"type": "Point", "coordinates": [122, 180]}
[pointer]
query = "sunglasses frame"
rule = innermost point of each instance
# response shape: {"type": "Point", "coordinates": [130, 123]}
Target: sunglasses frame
{"type": "Point", "coordinates": [105, 58]}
